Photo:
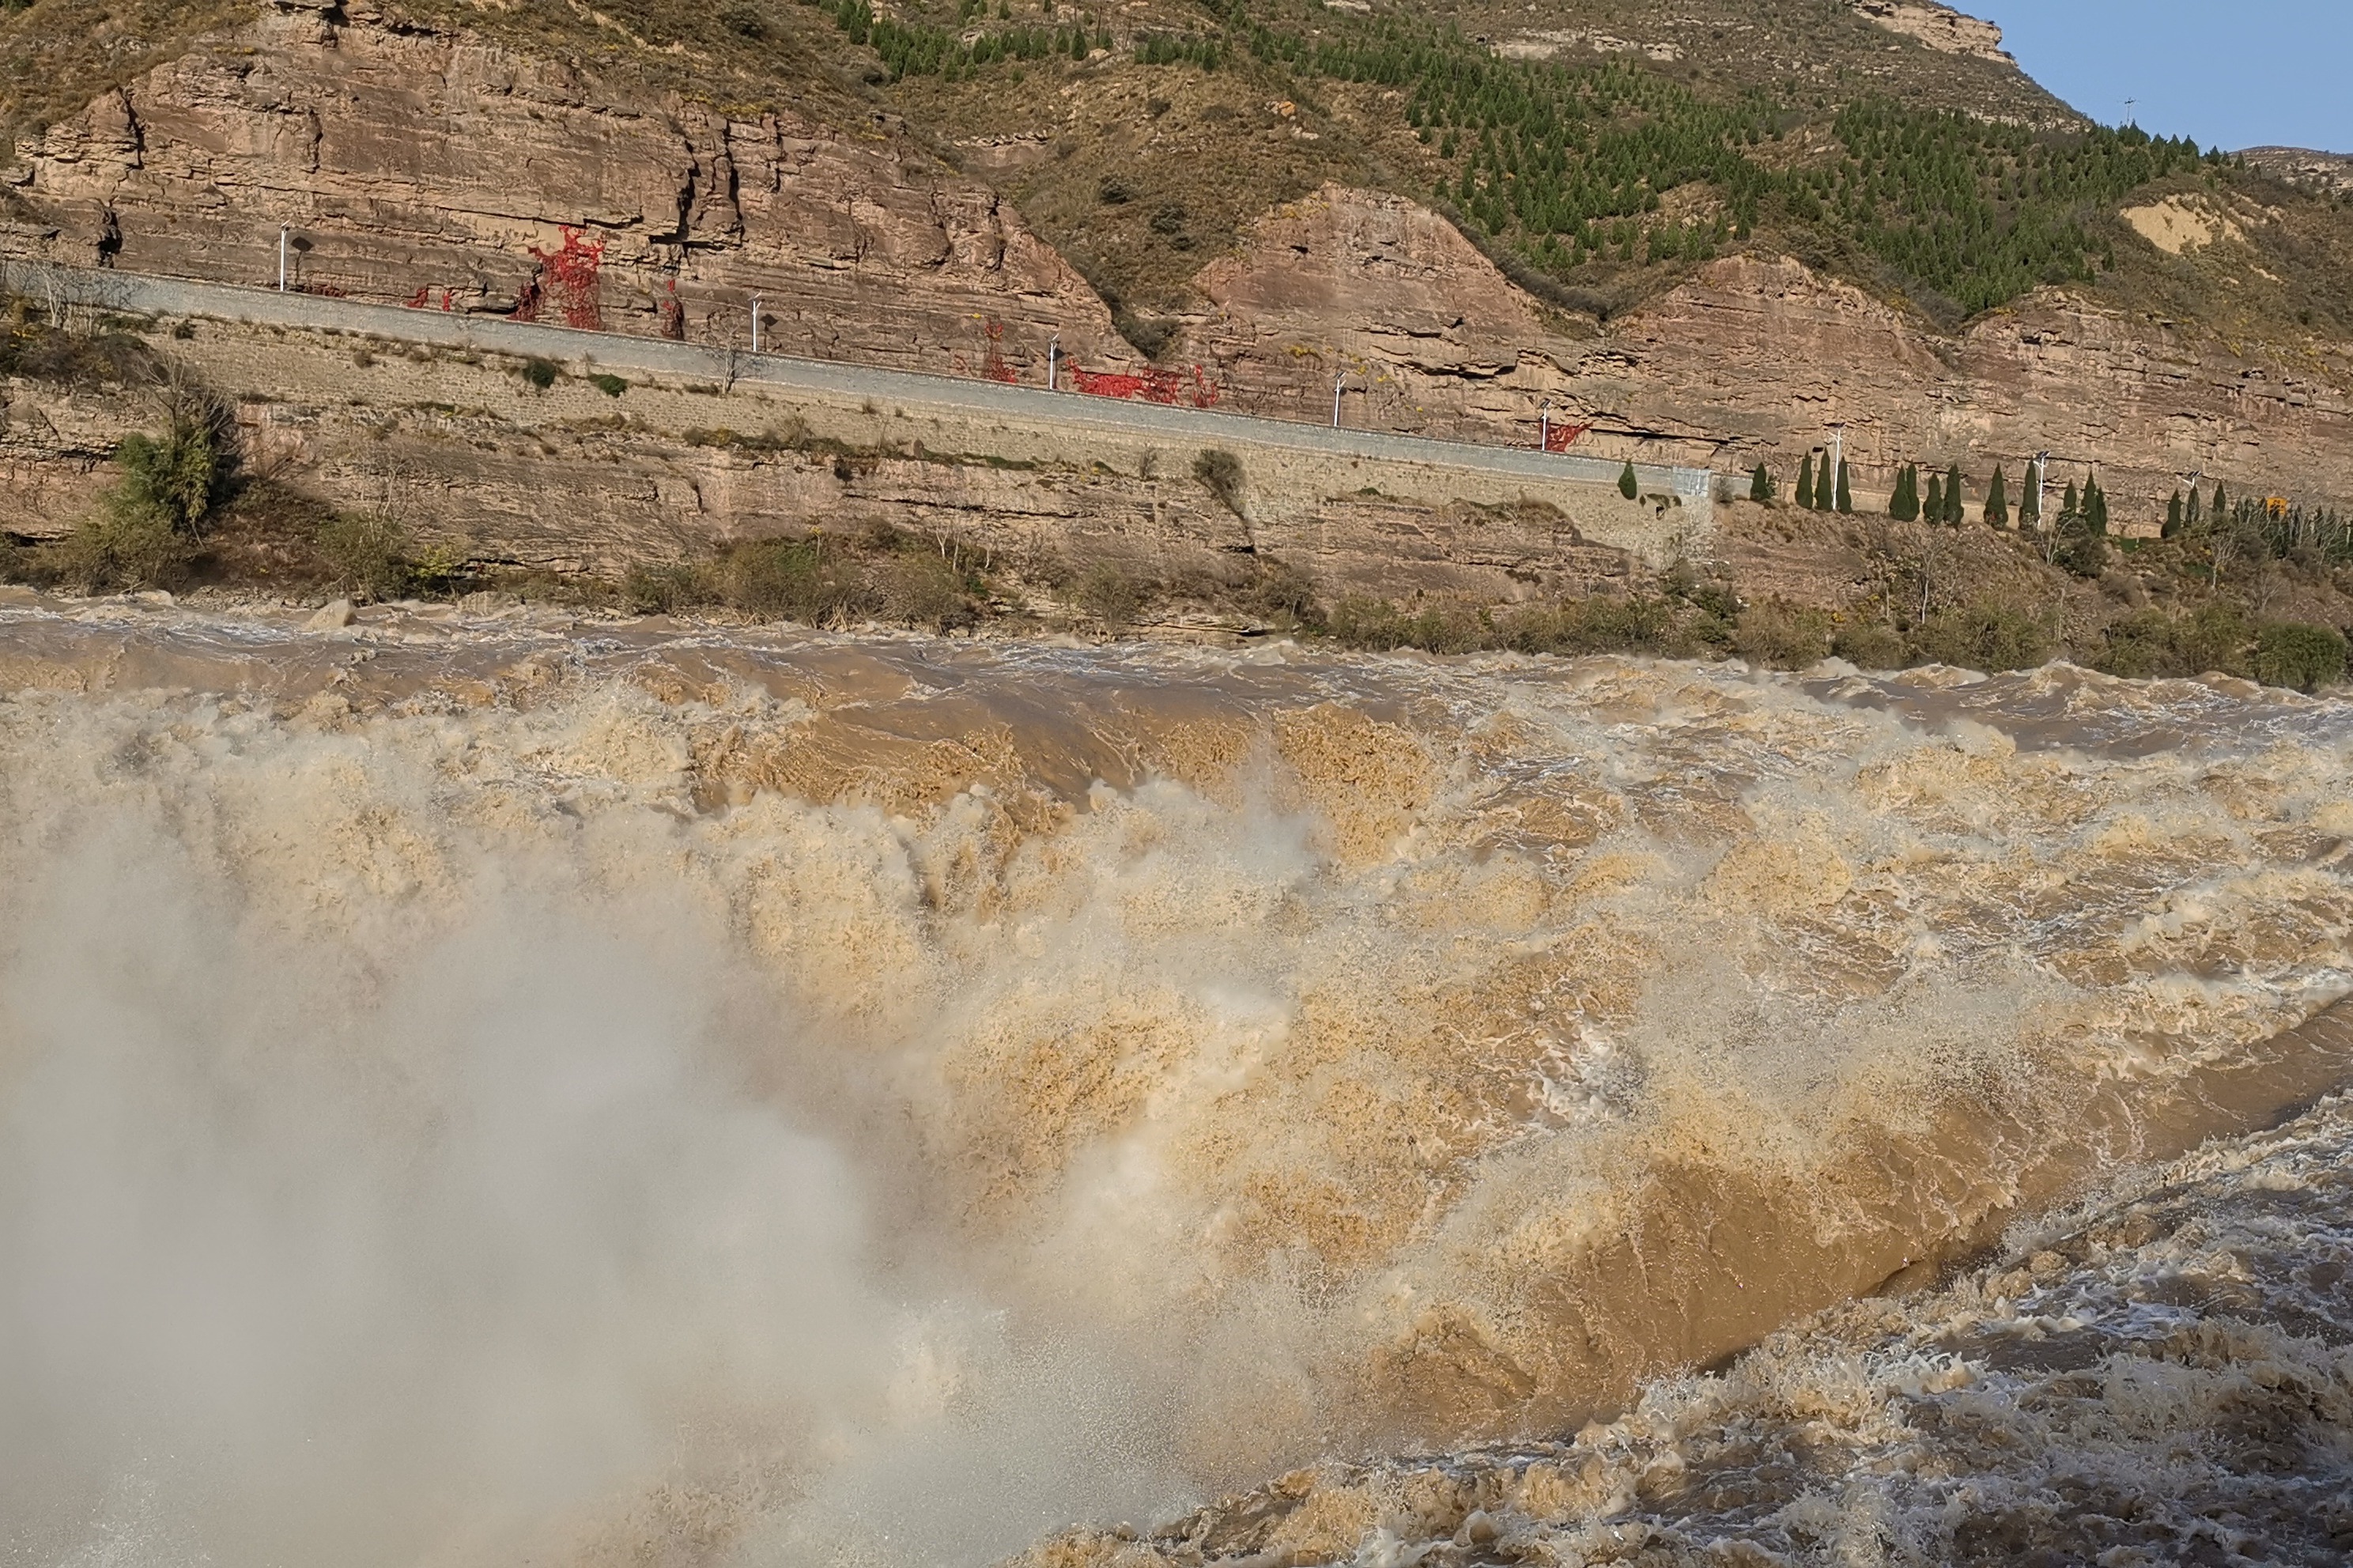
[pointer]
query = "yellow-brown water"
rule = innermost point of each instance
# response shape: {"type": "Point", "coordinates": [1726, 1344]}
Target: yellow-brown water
{"type": "Point", "coordinates": [479, 1092]}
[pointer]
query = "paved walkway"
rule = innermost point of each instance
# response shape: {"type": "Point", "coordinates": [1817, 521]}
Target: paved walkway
{"type": "Point", "coordinates": [146, 295]}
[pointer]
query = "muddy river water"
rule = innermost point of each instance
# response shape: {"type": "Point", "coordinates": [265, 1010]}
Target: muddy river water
{"type": "Point", "coordinates": [498, 1090]}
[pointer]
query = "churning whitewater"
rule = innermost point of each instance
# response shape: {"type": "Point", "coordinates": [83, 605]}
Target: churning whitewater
{"type": "Point", "coordinates": [475, 1092]}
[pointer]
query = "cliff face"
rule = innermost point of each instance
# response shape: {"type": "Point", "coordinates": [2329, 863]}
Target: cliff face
{"type": "Point", "coordinates": [413, 165]}
{"type": "Point", "coordinates": [1754, 360]}
{"type": "Point", "coordinates": [417, 165]}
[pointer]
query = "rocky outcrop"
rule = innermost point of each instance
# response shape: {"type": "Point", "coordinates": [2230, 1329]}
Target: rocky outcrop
{"type": "Point", "coordinates": [1754, 360]}
{"type": "Point", "coordinates": [415, 165]}
{"type": "Point", "coordinates": [578, 477]}
{"type": "Point", "coordinates": [1939, 26]}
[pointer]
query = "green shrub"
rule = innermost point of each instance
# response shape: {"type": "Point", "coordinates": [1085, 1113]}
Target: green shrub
{"type": "Point", "coordinates": [2141, 646]}
{"type": "Point", "coordinates": [1111, 596]}
{"type": "Point", "coordinates": [1222, 474]}
{"type": "Point", "coordinates": [916, 588]}
{"type": "Point", "coordinates": [2083, 554]}
{"type": "Point", "coordinates": [120, 548]}
{"type": "Point", "coordinates": [664, 589]}
{"type": "Point", "coordinates": [539, 373]}
{"type": "Point", "coordinates": [610, 385]}
{"type": "Point", "coordinates": [2289, 653]}
{"type": "Point", "coordinates": [1629, 485]}
{"type": "Point", "coordinates": [1988, 637]}
{"type": "Point", "coordinates": [792, 579]}
{"type": "Point", "coordinates": [1599, 624]}
{"type": "Point", "coordinates": [1780, 637]}
{"type": "Point", "coordinates": [1872, 645]}
{"type": "Point", "coordinates": [368, 551]}
{"type": "Point", "coordinates": [2216, 638]}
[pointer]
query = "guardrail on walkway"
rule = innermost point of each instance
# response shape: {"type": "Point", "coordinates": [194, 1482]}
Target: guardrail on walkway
{"type": "Point", "coordinates": [145, 294]}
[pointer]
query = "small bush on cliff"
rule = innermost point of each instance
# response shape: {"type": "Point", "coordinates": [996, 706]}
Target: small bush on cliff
{"type": "Point", "coordinates": [1628, 485]}
{"type": "Point", "coordinates": [368, 552]}
{"type": "Point", "coordinates": [1220, 473]}
{"type": "Point", "coordinates": [610, 385]}
{"type": "Point", "coordinates": [1111, 596]}
{"type": "Point", "coordinates": [2152, 644]}
{"type": "Point", "coordinates": [1988, 637]}
{"type": "Point", "coordinates": [664, 590]}
{"type": "Point", "coordinates": [539, 373]}
{"type": "Point", "coordinates": [2288, 654]}
{"type": "Point", "coordinates": [1782, 637]}
{"type": "Point", "coordinates": [791, 580]}
{"type": "Point", "coordinates": [1872, 645]}
{"type": "Point", "coordinates": [148, 525]}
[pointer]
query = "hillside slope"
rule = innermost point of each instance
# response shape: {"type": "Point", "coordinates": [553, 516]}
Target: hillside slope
{"type": "Point", "coordinates": [1704, 233]}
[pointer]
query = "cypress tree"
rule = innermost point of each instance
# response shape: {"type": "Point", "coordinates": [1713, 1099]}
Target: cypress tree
{"type": "Point", "coordinates": [1806, 482]}
{"type": "Point", "coordinates": [2173, 517]}
{"type": "Point", "coordinates": [1760, 484]}
{"type": "Point", "coordinates": [2030, 500]}
{"type": "Point", "coordinates": [1933, 509]}
{"type": "Point", "coordinates": [1845, 490]}
{"type": "Point", "coordinates": [2220, 511]}
{"type": "Point", "coordinates": [1956, 487]}
{"type": "Point", "coordinates": [1997, 506]}
{"type": "Point", "coordinates": [1629, 485]}
{"type": "Point", "coordinates": [2192, 511]}
{"type": "Point", "coordinates": [2071, 507]}
{"type": "Point", "coordinates": [2096, 507]}
{"type": "Point", "coordinates": [1904, 504]}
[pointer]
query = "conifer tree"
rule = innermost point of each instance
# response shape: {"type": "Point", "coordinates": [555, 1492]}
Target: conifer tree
{"type": "Point", "coordinates": [2192, 511]}
{"type": "Point", "coordinates": [2071, 507]}
{"type": "Point", "coordinates": [1955, 488]}
{"type": "Point", "coordinates": [1904, 506]}
{"type": "Point", "coordinates": [1806, 482]}
{"type": "Point", "coordinates": [2095, 506]}
{"type": "Point", "coordinates": [1760, 484]}
{"type": "Point", "coordinates": [1629, 485]}
{"type": "Point", "coordinates": [1933, 509]}
{"type": "Point", "coordinates": [1845, 491]}
{"type": "Point", "coordinates": [2029, 499]}
{"type": "Point", "coordinates": [2173, 517]}
{"type": "Point", "coordinates": [1997, 506]}
{"type": "Point", "coordinates": [2220, 511]}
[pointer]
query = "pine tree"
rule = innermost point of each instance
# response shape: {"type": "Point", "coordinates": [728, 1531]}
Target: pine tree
{"type": "Point", "coordinates": [2070, 508]}
{"type": "Point", "coordinates": [1955, 489]}
{"type": "Point", "coordinates": [2220, 511]}
{"type": "Point", "coordinates": [1806, 482]}
{"type": "Point", "coordinates": [2030, 500]}
{"type": "Point", "coordinates": [2193, 511]}
{"type": "Point", "coordinates": [1629, 485]}
{"type": "Point", "coordinates": [1933, 509]}
{"type": "Point", "coordinates": [1997, 506]}
{"type": "Point", "coordinates": [1904, 504]}
{"type": "Point", "coordinates": [2096, 507]}
{"type": "Point", "coordinates": [2173, 516]}
{"type": "Point", "coordinates": [1845, 490]}
{"type": "Point", "coordinates": [1760, 484]}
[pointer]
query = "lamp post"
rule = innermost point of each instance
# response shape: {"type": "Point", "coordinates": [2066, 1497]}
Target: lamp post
{"type": "Point", "coordinates": [1337, 382]}
{"type": "Point", "coordinates": [1053, 360]}
{"type": "Point", "coordinates": [755, 323]}
{"type": "Point", "coordinates": [2041, 495]}
{"type": "Point", "coordinates": [1544, 426]}
{"type": "Point", "coordinates": [281, 258]}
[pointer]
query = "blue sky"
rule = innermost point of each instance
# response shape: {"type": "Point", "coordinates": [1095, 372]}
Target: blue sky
{"type": "Point", "coordinates": [2249, 73]}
